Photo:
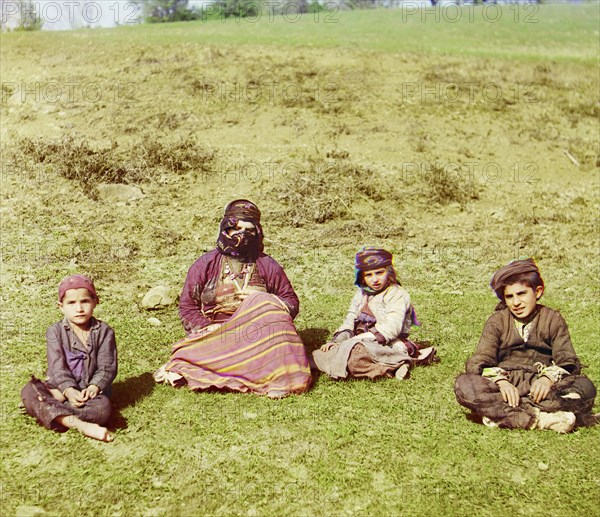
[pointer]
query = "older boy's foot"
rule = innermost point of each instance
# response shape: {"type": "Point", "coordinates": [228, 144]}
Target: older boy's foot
{"type": "Point", "coordinates": [560, 421]}
{"type": "Point", "coordinates": [88, 429]}
{"type": "Point", "coordinates": [488, 422]}
{"type": "Point", "coordinates": [588, 420]}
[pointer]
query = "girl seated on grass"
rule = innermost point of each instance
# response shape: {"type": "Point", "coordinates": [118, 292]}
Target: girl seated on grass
{"type": "Point", "coordinates": [373, 341]}
{"type": "Point", "coordinates": [82, 364]}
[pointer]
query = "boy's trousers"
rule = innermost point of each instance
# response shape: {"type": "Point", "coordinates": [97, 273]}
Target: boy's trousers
{"type": "Point", "coordinates": [574, 393]}
{"type": "Point", "coordinates": [40, 403]}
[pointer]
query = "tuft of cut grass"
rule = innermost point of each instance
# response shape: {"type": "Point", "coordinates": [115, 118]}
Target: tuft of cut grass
{"type": "Point", "coordinates": [324, 190]}
{"type": "Point", "coordinates": [76, 159]}
{"type": "Point", "coordinates": [449, 185]}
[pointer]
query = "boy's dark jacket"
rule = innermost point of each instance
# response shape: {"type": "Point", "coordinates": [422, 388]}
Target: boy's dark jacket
{"type": "Point", "coordinates": [99, 358]}
{"type": "Point", "coordinates": [501, 345]}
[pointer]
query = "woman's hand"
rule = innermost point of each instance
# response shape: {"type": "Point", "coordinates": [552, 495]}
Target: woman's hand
{"type": "Point", "coordinates": [510, 393]}
{"type": "Point", "coordinates": [197, 331]}
{"type": "Point", "coordinates": [242, 295]}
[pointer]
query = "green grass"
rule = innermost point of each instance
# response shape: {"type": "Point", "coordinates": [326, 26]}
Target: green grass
{"type": "Point", "coordinates": [528, 32]}
{"type": "Point", "coordinates": [363, 156]}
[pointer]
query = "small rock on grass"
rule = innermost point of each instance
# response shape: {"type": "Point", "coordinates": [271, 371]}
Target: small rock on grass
{"type": "Point", "coordinates": [155, 322]}
{"type": "Point", "coordinates": [159, 296]}
{"type": "Point", "coordinates": [542, 466]}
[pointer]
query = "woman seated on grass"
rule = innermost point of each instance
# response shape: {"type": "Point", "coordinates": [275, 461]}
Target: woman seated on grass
{"type": "Point", "coordinates": [373, 340]}
{"type": "Point", "coordinates": [237, 308]}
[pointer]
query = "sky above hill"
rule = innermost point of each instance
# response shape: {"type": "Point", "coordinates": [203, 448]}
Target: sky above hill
{"type": "Point", "coordinates": [72, 14]}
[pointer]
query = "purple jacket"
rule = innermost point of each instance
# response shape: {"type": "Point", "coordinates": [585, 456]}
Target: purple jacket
{"type": "Point", "coordinates": [71, 365]}
{"type": "Point", "coordinates": [208, 267]}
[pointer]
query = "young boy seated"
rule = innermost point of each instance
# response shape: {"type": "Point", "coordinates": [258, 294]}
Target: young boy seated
{"type": "Point", "coordinates": [82, 364]}
{"type": "Point", "coordinates": [524, 372]}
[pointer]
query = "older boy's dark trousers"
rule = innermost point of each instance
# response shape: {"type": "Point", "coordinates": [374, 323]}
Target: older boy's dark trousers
{"type": "Point", "coordinates": [40, 404]}
{"type": "Point", "coordinates": [483, 398]}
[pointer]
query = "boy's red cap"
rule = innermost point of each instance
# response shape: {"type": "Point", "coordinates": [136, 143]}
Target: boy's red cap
{"type": "Point", "coordinates": [76, 282]}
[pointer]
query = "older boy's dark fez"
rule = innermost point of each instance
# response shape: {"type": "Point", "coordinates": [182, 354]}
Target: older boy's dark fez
{"type": "Point", "coordinates": [517, 267]}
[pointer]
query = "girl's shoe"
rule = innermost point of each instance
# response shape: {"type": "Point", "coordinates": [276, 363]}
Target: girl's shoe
{"type": "Point", "coordinates": [401, 372]}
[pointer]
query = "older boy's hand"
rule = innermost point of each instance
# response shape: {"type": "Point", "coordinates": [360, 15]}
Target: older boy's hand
{"type": "Point", "coordinates": [510, 393]}
{"type": "Point", "coordinates": [539, 389]}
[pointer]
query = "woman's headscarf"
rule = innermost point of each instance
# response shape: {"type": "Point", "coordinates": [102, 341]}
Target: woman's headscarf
{"type": "Point", "coordinates": [241, 243]}
{"type": "Point", "coordinates": [373, 258]}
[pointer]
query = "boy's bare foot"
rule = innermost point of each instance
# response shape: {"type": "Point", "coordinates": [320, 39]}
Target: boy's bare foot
{"type": "Point", "coordinates": [95, 431]}
{"type": "Point", "coordinates": [88, 429]}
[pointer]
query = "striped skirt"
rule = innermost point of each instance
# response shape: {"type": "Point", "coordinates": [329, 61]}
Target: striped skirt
{"type": "Point", "coordinates": [256, 350]}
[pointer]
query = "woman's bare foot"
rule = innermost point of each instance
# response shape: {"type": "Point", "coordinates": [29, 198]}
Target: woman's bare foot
{"type": "Point", "coordinates": [277, 394]}
{"type": "Point", "coordinates": [88, 429]}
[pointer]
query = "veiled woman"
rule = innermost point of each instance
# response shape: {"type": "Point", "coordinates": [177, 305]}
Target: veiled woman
{"type": "Point", "coordinates": [237, 308]}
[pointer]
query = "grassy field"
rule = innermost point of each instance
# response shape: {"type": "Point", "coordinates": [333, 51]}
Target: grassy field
{"type": "Point", "coordinates": [459, 146]}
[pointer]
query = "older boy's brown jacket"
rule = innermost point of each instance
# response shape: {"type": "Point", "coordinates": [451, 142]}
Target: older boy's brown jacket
{"type": "Point", "coordinates": [501, 345]}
